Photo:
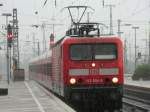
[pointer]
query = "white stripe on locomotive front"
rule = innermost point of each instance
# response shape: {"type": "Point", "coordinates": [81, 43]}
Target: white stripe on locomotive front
{"type": "Point", "coordinates": [102, 71]}
{"type": "Point", "coordinates": [108, 71]}
{"type": "Point", "coordinates": [79, 71]}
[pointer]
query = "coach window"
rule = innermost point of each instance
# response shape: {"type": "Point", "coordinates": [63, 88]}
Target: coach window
{"type": "Point", "coordinates": [38, 71]}
{"type": "Point", "coordinates": [49, 68]}
{"type": "Point", "coordinates": [40, 68]}
{"type": "Point", "coordinates": [45, 69]}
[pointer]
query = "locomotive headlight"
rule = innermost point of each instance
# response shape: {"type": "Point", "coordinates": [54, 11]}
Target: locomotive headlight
{"type": "Point", "coordinates": [93, 64]}
{"type": "Point", "coordinates": [115, 80]}
{"type": "Point", "coordinates": [72, 81]}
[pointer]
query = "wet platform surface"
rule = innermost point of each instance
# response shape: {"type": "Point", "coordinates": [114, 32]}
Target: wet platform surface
{"type": "Point", "coordinates": [28, 96]}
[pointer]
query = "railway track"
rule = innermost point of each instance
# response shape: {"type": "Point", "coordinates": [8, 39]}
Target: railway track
{"type": "Point", "coordinates": [136, 99]}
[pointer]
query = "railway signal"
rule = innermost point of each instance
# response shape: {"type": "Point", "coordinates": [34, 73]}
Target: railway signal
{"type": "Point", "coordinates": [51, 40]}
{"type": "Point", "coordinates": [9, 35]}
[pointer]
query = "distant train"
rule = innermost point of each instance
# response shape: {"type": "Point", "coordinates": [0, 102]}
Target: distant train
{"type": "Point", "coordinates": [83, 69]}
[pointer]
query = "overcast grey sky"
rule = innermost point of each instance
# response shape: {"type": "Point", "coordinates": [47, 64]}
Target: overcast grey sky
{"type": "Point", "coordinates": [135, 12]}
{"type": "Point", "coordinates": [131, 11]}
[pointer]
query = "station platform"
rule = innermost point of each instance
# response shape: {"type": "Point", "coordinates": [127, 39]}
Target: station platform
{"type": "Point", "coordinates": [140, 83]}
{"type": "Point", "coordinates": [28, 96]}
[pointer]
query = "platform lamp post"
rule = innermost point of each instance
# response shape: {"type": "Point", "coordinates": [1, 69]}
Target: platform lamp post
{"type": "Point", "coordinates": [0, 47]}
{"type": "Point", "coordinates": [125, 41]}
{"type": "Point", "coordinates": [120, 25]}
{"type": "Point", "coordinates": [7, 54]}
{"type": "Point", "coordinates": [125, 47]}
{"type": "Point", "coordinates": [4, 91]}
{"type": "Point", "coordinates": [135, 29]}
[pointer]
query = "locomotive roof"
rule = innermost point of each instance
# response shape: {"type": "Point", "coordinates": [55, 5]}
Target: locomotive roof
{"type": "Point", "coordinates": [90, 40]}
{"type": "Point", "coordinates": [68, 39]}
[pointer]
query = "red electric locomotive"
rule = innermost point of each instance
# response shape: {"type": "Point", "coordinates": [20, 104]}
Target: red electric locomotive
{"type": "Point", "coordinates": [83, 67]}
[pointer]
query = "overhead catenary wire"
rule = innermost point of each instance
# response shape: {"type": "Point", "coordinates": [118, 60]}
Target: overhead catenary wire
{"type": "Point", "coordinates": [72, 3]}
{"type": "Point", "coordinates": [75, 1]}
{"type": "Point", "coordinates": [141, 10]}
{"type": "Point", "coordinates": [122, 2]}
{"type": "Point", "coordinates": [138, 12]}
{"type": "Point", "coordinates": [47, 1]}
{"type": "Point", "coordinates": [136, 5]}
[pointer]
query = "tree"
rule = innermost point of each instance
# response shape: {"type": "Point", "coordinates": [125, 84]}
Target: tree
{"type": "Point", "coordinates": [142, 72]}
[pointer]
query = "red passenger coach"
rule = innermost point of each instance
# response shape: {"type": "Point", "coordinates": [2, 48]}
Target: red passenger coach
{"type": "Point", "coordinates": [83, 69]}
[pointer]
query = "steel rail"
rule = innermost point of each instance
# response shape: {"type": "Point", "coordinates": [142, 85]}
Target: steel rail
{"type": "Point", "coordinates": [131, 105]}
{"type": "Point", "coordinates": [138, 93]}
{"type": "Point", "coordinates": [136, 98]}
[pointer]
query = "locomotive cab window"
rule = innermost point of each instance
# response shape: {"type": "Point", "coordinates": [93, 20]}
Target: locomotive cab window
{"type": "Point", "coordinates": [102, 51]}
{"type": "Point", "coordinates": [105, 51]}
{"type": "Point", "coordinates": [81, 52]}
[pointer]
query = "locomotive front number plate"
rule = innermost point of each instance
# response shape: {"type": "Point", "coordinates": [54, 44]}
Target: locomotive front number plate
{"type": "Point", "coordinates": [94, 71]}
{"type": "Point", "coordinates": [94, 81]}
